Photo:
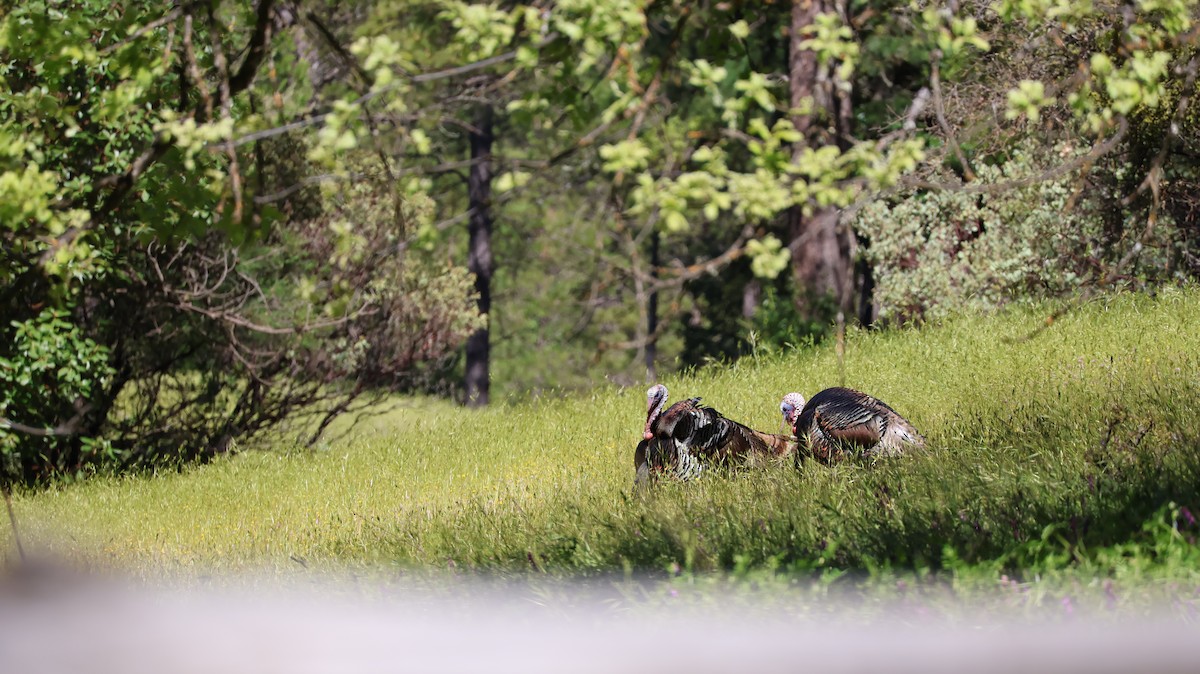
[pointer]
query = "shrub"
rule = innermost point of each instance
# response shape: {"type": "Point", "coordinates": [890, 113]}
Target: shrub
{"type": "Point", "coordinates": [938, 252]}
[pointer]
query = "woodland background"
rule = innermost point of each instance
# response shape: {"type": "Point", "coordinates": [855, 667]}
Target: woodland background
{"type": "Point", "coordinates": [215, 215]}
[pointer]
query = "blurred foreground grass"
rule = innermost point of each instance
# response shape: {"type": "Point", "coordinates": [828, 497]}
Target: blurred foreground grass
{"type": "Point", "coordinates": [1051, 453]}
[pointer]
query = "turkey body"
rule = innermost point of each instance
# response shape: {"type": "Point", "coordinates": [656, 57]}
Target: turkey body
{"type": "Point", "coordinates": [840, 419]}
{"type": "Point", "coordinates": [683, 439]}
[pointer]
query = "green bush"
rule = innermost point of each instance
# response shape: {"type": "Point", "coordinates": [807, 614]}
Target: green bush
{"type": "Point", "coordinates": [939, 252]}
{"type": "Point", "coordinates": [48, 373]}
{"type": "Point", "coordinates": [167, 288]}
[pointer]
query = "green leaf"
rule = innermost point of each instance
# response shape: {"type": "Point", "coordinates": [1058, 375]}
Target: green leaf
{"type": "Point", "coordinates": [768, 256]}
{"type": "Point", "coordinates": [675, 221]}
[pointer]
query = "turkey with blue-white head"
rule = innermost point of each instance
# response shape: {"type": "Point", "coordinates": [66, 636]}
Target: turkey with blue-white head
{"type": "Point", "coordinates": [679, 440]}
{"type": "Point", "coordinates": [840, 419]}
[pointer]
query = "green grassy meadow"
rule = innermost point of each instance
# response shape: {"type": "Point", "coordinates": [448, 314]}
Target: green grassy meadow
{"type": "Point", "coordinates": [1061, 451]}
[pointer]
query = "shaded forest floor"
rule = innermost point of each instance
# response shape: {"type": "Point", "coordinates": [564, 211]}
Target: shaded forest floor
{"type": "Point", "coordinates": [1071, 455]}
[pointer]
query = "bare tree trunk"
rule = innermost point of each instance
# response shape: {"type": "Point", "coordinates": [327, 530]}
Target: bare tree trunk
{"type": "Point", "coordinates": [822, 254]}
{"type": "Point", "coordinates": [479, 257]}
{"type": "Point", "coordinates": [822, 249]}
{"type": "Point", "coordinates": [651, 351]}
{"type": "Point", "coordinates": [323, 68]}
{"type": "Point", "coordinates": [868, 312]}
{"type": "Point", "coordinates": [802, 63]}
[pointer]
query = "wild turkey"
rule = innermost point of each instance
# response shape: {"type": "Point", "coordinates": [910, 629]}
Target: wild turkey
{"type": "Point", "coordinates": [676, 440]}
{"type": "Point", "coordinates": [655, 456]}
{"type": "Point", "coordinates": [838, 419]}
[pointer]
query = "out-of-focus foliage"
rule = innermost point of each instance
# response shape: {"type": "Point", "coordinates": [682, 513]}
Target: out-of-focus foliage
{"type": "Point", "coordinates": [167, 283]}
{"type": "Point", "coordinates": [679, 123]}
{"type": "Point", "coordinates": [1089, 191]}
{"type": "Point", "coordinates": [946, 251]}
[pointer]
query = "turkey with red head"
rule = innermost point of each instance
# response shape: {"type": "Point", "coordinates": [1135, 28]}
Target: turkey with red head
{"type": "Point", "coordinates": [677, 439]}
{"type": "Point", "coordinates": [839, 419]}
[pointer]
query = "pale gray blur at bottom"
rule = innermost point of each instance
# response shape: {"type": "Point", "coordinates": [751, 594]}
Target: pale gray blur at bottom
{"type": "Point", "coordinates": [93, 626]}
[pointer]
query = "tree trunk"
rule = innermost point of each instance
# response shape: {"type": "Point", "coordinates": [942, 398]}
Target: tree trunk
{"type": "Point", "coordinates": [822, 253]}
{"type": "Point", "coordinates": [479, 256]}
{"type": "Point", "coordinates": [822, 249]}
{"type": "Point", "coordinates": [323, 67]}
{"type": "Point", "coordinates": [868, 312]}
{"type": "Point", "coordinates": [802, 66]}
{"type": "Point", "coordinates": [652, 313]}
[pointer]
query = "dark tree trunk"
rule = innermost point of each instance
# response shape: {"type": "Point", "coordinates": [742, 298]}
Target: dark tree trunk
{"type": "Point", "coordinates": [867, 311]}
{"type": "Point", "coordinates": [652, 312]}
{"type": "Point", "coordinates": [802, 64]}
{"type": "Point", "coordinates": [479, 256]}
{"type": "Point", "coordinates": [822, 249]}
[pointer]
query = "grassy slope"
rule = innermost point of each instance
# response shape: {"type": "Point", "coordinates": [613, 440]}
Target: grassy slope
{"type": "Point", "coordinates": [1017, 434]}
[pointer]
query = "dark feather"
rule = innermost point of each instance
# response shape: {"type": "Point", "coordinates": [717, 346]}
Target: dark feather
{"type": "Point", "coordinates": [838, 419]}
{"type": "Point", "coordinates": [689, 430]}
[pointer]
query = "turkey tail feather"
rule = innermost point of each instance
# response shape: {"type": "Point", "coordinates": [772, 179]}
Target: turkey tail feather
{"type": "Point", "coordinates": [773, 444]}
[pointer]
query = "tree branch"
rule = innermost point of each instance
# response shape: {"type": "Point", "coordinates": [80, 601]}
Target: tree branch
{"type": "Point", "coordinates": [477, 65]}
{"type": "Point", "coordinates": [256, 49]}
{"type": "Point", "coordinates": [936, 86]}
{"type": "Point", "coordinates": [67, 428]}
{"type": "Point", "coordinates": [424, 77]}
{"type": "Point", "coordinates": [121, 184]}
{"type": "Point", "coordinates": [153, 25]}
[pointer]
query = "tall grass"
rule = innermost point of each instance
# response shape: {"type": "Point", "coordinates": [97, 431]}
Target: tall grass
{"type": "Point", "coordinates": [1091, 426]}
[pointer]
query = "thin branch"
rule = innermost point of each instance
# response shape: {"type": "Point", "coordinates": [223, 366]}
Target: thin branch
{"type": "Point", "coordinates": [121, 185]}
{"type": "Point", "coordinates": [236, 320]}
{"type": "Point", "coordinates": [337, 47]}
{"type": "Point", "coordinates": [67, 428]}
{"type": "Point", "coordinates": [305, 182]}
{"type": "Point", "coordinates": [12, 519]}
{"type": "Point", "coordinates": [1062, 169]}
{"type": "Point", "coordinates": [453, 220]}
{"type": "Point", "coordinates": [272, 132]}
{"type": "Point", "coordinates": [60, 430]}
{"type": "Point", "coordinates": [450, 166]}
{"type": "Point", "coordinates": [469, 128]}
{"type": "Point", "coordinates": [189, 52]}
{"type": "Point", "coordinates": [679, 273]}
{"type": "Point", "coordinates": [915, 110]}
{"type": "Point", "coordinates": [153, 25]}
{"type": "Point", "coordinates": [256, 49]}
{"type": "Point", "coordinates": [366, 83]}
{"type": "Point", "coordinates": [478, 65]}
{"type": "Point", "coordinates": [940, 111]}
{"type": "Point", "coordinates": [424, 77]}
